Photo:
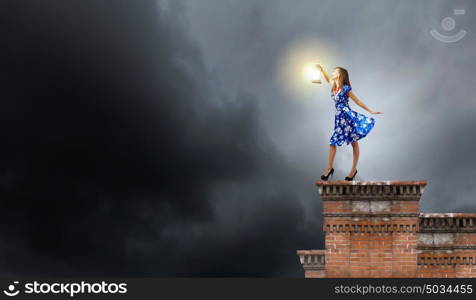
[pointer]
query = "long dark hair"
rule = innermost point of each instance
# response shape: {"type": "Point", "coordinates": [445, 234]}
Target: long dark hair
{"type": "Point", "coordinates": [345, 78]}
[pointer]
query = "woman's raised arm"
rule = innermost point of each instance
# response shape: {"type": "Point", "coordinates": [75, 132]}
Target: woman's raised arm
{"type": "Point", "coordinates": [328, 79]}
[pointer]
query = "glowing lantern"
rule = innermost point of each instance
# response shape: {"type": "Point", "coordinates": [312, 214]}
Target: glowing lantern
{"type": "Point", "coordinates": [315, 75]}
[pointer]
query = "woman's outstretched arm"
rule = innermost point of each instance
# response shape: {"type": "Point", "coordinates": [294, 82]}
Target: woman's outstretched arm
{"type": "Point", "coordinates": [361, 104]}
{"type": "Point", "coordinates": [328, 79]}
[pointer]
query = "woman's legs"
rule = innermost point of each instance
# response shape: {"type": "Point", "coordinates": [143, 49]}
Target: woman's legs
{"type": "Point", "coordinates": [332, 154]}
{"type": "Point", "coordinates": [355, 148]}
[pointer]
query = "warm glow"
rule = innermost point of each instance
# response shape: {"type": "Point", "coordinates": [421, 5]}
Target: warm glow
{"type": "Point", "coordinates": [296, 68]}
{"type": "Point", "coordinates": [313, 74]}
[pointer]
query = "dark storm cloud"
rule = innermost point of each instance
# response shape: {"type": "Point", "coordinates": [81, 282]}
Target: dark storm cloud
{"type": "Point", "coordinates": [117, 146]}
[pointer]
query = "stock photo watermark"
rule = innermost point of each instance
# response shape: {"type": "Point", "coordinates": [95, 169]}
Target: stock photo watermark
{"type": "Point", "coordinates": [448, 24]}
{"type": "Point", "coordinates": [67, 288]}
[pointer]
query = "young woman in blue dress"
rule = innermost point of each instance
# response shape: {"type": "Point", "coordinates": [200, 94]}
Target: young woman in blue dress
{"type": "Point", "coordinates": [349, 126]}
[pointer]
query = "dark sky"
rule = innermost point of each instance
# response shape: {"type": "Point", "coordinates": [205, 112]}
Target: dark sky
{"type": "Point", "coordinates": [158, 138]}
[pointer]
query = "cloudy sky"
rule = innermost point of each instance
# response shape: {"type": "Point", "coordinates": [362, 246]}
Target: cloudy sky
{"type": "Point", "coordinates": [178, 138]}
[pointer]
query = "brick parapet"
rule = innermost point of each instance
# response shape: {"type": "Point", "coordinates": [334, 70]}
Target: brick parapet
{"type": "Point", "coordinates": [375, 229]}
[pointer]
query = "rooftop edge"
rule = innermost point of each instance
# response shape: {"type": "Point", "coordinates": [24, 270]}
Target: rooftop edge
{"type": "Point", "coordinates": [447, 215]}
{"type": "Point", "coordinates": [382, 182]}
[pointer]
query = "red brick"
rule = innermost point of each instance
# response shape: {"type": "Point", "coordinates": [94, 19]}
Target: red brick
{"type": "Point", "coordinates": [371, 243]}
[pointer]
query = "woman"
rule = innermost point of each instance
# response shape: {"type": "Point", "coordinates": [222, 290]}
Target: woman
{"type": "Point", "coordinates": [349, 126]}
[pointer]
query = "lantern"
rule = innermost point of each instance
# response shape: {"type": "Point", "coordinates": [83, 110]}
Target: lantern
{"type": "Point", "coordinates": [315, 75]}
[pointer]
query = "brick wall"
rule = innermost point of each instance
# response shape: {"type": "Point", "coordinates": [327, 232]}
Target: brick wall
{"type": "Point", "coordinates": [375, 229]}
{"type": "Point", "coordinates": [447, 245]}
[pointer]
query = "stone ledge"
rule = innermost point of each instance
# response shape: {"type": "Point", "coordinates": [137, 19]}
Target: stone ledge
{"type": "Point", "coordinates": [444, 247]}
{"type": "Point", "coordinates": [311, 252]}
{"type": "Point", "coordinates": [371, 190]}
{"type": "Point", "coordinates": [373, 215]}
{"type": "Point", "coordinates": [312, 259]}
{"type": "Point", "coordinates": [448, 215]}
{"type": "Point", "coordinates": [380, 182]}
{"type": "Point", "coordinates": [447, 222]}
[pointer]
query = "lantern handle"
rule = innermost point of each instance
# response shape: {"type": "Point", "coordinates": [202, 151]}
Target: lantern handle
{"type": "Point", "coordinates": [328, 79]}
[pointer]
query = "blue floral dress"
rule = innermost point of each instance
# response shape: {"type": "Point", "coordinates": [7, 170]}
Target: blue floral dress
{"type": "Point", "coordinates": [349, 125]}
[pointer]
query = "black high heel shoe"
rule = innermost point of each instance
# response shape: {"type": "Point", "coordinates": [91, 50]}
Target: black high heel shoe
{"type": "Point", "coordinates": [325, 177]}
{"type": "Point", "coordinates": [351, 178]}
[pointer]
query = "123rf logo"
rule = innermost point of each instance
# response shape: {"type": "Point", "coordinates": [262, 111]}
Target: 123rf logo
{"type": "Point", "coordinates": [70, 289]}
